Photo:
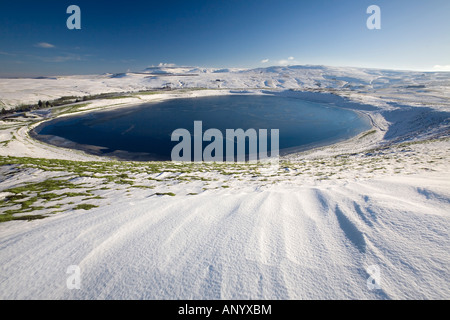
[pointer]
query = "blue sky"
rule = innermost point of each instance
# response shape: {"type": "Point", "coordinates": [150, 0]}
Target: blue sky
{"type": "Point", "coordinates": [117, 36]}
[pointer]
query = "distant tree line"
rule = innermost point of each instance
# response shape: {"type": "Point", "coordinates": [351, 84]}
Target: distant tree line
{"type": "Point", "coordinates": [69, 100]}
{"type": "Point", "coordinates": [29, 107]}
{"type": "Point", "coordinates": [55, 103]}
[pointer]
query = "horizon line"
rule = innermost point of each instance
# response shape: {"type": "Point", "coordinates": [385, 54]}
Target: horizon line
{"type": "Point", "coordinates": [220, 68]}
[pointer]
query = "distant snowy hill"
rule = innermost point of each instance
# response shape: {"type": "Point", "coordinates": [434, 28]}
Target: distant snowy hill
{"type": "Point", "coordinates": [340, 80]}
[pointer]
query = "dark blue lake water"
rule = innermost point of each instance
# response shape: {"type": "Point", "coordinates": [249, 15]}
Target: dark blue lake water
{"type": "Point", "coordinates": [144, 132]}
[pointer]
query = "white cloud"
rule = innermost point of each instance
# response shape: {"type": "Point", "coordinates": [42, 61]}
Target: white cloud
{"type": "Point", "coordinates": [288, 62]}
{"type": "Point", "coordinates": [163, 64]}
{"type": "Point", "coordinates": [283, 62]}
{"type": "Point", "coordinates": [44, 45]}
{"type": "Point", "coordinates": [7, 54]}
{"type": "Point", "coordinates": [441, 68]}
{"type": "Point", "coordinates": [70, 57]}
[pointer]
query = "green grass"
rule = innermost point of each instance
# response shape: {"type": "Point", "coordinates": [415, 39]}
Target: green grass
{"type": "Point", "coordinates": [16, 197]}
{"type": "Point", "coordinates": [69, 109]}
{"type": "Point", "coordinates": [10, 217]}
{"type": "Point", "coordinates": [118, 97]}
{"type": "Point", "coordinates": [85, 206]}
{"type": "Point", "coordinates": [5, 143]}
{"type": "Point", "coordinates": [118, 172]}
{"type": "Point", "coordinates": [22, 198]}
{"type": "Point", "coordinates": [26, 207]}
{"type": "Point", "coordinates": [143, 187]}
{"type": "Point", "coordinates": [93, 198]}
{"type": "Point", "coordinates": [50, 196]}
{"type": "Point", "coordinates": [145, 93]}
{"type": "Point", "coordinates": [368, 133]}
{"type": "Point", "coordinates": [76, 194]}
{"type": "Point", "coordinates": [165, 194]}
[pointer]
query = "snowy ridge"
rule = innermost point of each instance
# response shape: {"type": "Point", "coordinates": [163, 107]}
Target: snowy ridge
{"type": "Point", "coordinates": [290, 243]}
{"type": "Point", "coordinates": [372, 84]}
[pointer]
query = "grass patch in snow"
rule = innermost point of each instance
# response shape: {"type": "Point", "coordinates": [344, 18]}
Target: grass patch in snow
{"type": "Point", "coordinates": [368, 133]}
{"type": "Point", "coordinates": [44, 186]}
{"type": "Point", "coordinates": [22, 198]}
{"type": "Point", "coordinates": [10, 217]}
{"type": "Point", "coordinates": [165, 194]}
{"type": "Point", "coordinates": [85, 206]}
{"type": "Point", "coordinates": [69, 109]}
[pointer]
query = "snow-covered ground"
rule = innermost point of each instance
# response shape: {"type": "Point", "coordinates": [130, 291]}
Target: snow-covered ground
{"type": "Point", "coordinates": [309, 230]}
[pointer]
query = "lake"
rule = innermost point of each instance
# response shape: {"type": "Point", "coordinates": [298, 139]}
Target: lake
{"type": "Point", "coordinates": [143, 132]}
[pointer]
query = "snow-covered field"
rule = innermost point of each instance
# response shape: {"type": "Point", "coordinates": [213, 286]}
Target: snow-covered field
{"type": "Point", "coordinates": [309, 230]}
